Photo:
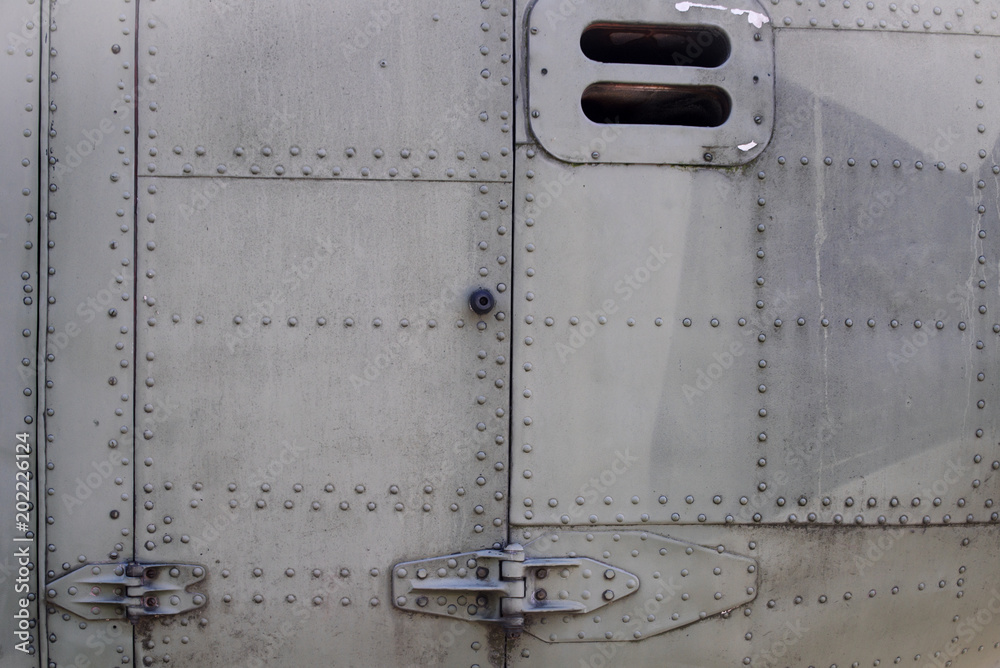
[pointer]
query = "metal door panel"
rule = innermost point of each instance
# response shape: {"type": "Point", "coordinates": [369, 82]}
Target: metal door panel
{"type": "Point", "coordinates": [89, 351]}
{"type": "Point", "coordinates": [888, 125]}
{"type": "Point", "coordinates": [878, 407]}
{"type": "Point", "coordinates": [810, 433]}
{"type": "Point", "coordinates": [317, 394]}
{"type": "Point", "coordinates": [285, 89]}
{"type": "Point", "coordinates": [627, 269]}
{"type": "Point", "coordinates": [19, 173]}
{"type": "Point", "coordinates": [284, 330]}
{"type": "Point", "coordinates": [741, 382]}
{"type": "Point", "coordinates": [820, 602]}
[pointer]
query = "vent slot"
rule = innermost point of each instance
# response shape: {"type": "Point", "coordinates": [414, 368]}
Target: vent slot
{"type": "Point", "coordinates": [676, 45]}
{"type": "Point", "coordinates": [646, 104]}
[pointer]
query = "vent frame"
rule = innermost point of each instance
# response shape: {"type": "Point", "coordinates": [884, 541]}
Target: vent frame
{"type": "Point", "coordinates": [558, 72]}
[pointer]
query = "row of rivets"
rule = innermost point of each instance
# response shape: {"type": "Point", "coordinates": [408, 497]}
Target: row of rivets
{"type": "Point", "coordinates": [900, 15]}
{"type": "Point", "coordinates": [486, 418]}
{"type": "Point", "coordinates": [874, 162]}
{"type": "Point", "coordinates": [63, 161]}
{"type": "Point", "coordinates": [529, 296]}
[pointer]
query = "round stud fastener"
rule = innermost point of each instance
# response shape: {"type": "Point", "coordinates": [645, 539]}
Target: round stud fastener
{"type": "Point", "coordinates": [482, 301]}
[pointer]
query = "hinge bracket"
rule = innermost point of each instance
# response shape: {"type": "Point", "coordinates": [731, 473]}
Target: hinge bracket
{"type": "Point", "coordinates": [504, 586]}
{"type": "Point", "coordinates": [549, 596]}
{"type": "Point", "coordinates": [127, 591]}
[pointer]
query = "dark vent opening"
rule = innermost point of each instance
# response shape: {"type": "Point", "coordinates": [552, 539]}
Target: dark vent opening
{"type": "Point", "coordinates": [677, 45]}
{"type": "Point", "coordinates": [645, 104]}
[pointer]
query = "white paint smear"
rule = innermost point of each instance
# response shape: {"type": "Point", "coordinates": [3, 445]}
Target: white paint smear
{"type": "Point", "coordinates": [756, 19]}
{"type": "Point", "coordinates": [746, 147]}
{"type": "Point", "coordinates": [684, 6]}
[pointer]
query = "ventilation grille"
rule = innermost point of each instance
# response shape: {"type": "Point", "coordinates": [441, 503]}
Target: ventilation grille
{"type": "Point", "coordinates": [683, 83]}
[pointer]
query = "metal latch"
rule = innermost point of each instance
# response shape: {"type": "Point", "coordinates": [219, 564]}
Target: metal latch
{"type": "Point", "coordinates": [127, 591]}
{"type": "Point", "coordinates": [503, 586]}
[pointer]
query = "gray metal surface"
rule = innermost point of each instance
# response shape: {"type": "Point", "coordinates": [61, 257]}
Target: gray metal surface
{"type": "Point", "coordinates": [686, 583]}
{"type": "Point", "coordinates": [89, 352]}
{"type": "Point", "coordinates": [821, 355]}
{"type": "Point", "coordinates": [950, 17]}
{"type": "Point", "coordinates": [827, 596]}
{"type": "Point", "coordinates": [805, 341]}
{"type": "Point", "coordinates": [20, 288]}
{"type": "Point", "coordinates": [762, 392]}
{"type": "Point", "coordinates": [321, 401]}
{"type": "Point", "coordinates": [269, 112]}
{"type": "Point", "coordinates": [300, 483]}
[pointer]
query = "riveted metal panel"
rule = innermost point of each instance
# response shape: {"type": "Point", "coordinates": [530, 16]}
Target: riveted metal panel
{"type": "Point", "coordinates": [89, 350]}
{"type": "Point", "coordinates": [969, 17]}
{"type": "Point", "coordinates": [791, 360]}
{"type": "Point", "coordinates": [388, 89]}
{"type": "Point", "coordinates": [798, 298]}
{"type": "Point", "coordinates": [612, 270]}
{"type": "Point", "coordinates": [319, 402]}
{"type": "Point", "coordinates": [921, 596]}
{"type": "Point", "coordinates": [807, 340]}
{"type": "Point", "coordinates": [688, 582]}
{"type": "Point", "coordinates": [881, 398]}
{"type": "Point", "coordinates": [20, 287]}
